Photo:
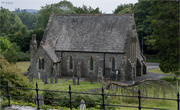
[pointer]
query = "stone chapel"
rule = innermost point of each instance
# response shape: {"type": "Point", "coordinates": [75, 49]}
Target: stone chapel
{"type": "Point", "coordinates": [88, 45]}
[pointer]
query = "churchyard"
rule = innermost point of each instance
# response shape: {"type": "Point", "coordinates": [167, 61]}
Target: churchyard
{"type": "Point", "coordinates": [160, 90]}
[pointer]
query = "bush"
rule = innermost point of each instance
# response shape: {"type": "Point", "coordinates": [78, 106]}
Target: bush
{"type": "Point", "coordinates": [75, 98]}
{"type": "Point", "coordinates": [11, 74]}
{"type": "Point", "coordinates": [21, 56]}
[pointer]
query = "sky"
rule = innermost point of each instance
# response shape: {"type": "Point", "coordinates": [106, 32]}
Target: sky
{"type": "Point", "coordinates": [106, 6]}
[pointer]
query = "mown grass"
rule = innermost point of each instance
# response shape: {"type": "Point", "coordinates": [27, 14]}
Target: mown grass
{"type": "Point", "coordinates": [160, 72]}
{"type": "Point", "coordinates": [23, 66]}
{"type": "Point", "coordinates": [63, 85]}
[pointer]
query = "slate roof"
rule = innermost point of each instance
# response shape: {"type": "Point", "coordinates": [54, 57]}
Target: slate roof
{"type": "Point", "coordinates": [95, 33]}
{"type": "Point", "coordinates": [50, 52]}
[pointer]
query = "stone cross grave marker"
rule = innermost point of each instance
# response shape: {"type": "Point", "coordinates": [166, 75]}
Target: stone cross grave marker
{"type": "Point", "coordinates": [41, 101]}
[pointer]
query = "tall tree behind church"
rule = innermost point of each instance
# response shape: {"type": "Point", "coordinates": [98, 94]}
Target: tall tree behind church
{"type": "Point", "coordinates": [165, 37]}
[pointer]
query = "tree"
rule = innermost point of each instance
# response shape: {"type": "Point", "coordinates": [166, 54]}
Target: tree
{"type": "Point", "coordinates": [10, 73]}
{"type": "Point", "coordinates": [165, 37]}
{"type": "Point", "coordinates": [63, 7]}
{"type": "Point", "coordinates": [143, 23]}
{"type": "Point", "coordinates": [28, 19]}
{"type": "Point", "coordinates": [121, 7]}
{"type": "Point", "coordinates": [86, 10]}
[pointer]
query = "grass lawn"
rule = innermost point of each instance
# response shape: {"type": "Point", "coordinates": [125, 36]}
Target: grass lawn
{"type": "Point", "coordinates": [63, 85]}
{"type": "Point", "coordinates": [159, 71]}
{"type": "Point", "coordinates": [23, 66]}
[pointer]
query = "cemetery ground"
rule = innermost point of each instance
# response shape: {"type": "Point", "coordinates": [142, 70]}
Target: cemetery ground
{"type": "Point", "coordinates": [85, 86]}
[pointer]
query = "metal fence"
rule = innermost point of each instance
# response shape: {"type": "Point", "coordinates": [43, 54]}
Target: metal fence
{"type": "Point", "coordinates": [139, 97]}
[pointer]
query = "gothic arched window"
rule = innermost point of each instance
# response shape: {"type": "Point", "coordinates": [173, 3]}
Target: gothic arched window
{"type": "Point", "coordinates": [91, 63]}
{"type": "Point", "coordinates": [39, 63]}
{"type": "Point", "coordinates": [42, 64]}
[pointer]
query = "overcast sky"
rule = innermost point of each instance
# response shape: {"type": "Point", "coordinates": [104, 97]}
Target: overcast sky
{"type": "Point", "coordinates": [106, 6]}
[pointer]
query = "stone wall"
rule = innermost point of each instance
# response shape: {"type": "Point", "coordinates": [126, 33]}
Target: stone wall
{"type": "Point", "coordinates": [47, 66]}
{"type": "Point", "coordinates": [97, 57]}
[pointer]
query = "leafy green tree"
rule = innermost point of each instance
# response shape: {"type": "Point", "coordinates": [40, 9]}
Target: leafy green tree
{"type": "Point", "coordinates": [125, 11]}
{"type": "Point", "coordinates": [165, 37]}
{"type": "Point", "coordinates": [121, 7]}
{"type": "Point", "coordinates": [86, 10]}
{"type": "Point", "coordinates": [10, 73]}
{"type": "Point", "coordinates": [143, 23]}
{"type": "Point", "coordinates": [63, 7]}
{"type": "Point", "coordinates": [28, 19]}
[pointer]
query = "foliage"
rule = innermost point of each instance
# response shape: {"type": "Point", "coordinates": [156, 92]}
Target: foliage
{"type": "Point", "coordinates": [5, 44]}
{"type": "Point", "coordinates": [63, 7]}
{"type": "Point", "coordinates": [143, 23]}
{"type": "Point", "coordinates": [10, 23]}
{"type": "Point", "coordinates": [28, 19]}
{"type": "Point", "coordinates": [165, 37]}
{"type": "Point", "coordinates": [21, 56]}
{"type": "Point", "coordinates": [126, 10]}
{"type": "Point", "coordinates": [86, 10]}
{"type": "Point", "coordinates": [121, 7]}
{"type": "Point", "coordinates": [10, 73]}
{"type": "Point", "coordinates": [75, 98]}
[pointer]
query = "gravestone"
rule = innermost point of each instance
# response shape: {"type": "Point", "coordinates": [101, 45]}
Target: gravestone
{"type": "Point", "coordinates": [78, 80]}
{"type": "Point", "coordinates": [51, 80]}
{"type": "Point", "coordinates": [56, 79]}
{"type": "Point", "coordinates": [39, 75]}
{"type": "Point", "coordinates": [74, 80]}
{"type": "Point", "coordinates": [41, 101]}
{"type": "Point", "coordinates": [116, 76]}
{"type": "Point", "coordinates": [43, 79]}
{"type": "Point", "coordinates": [30, 77]}
{"type": "Point", "coordinates": [91, 78]}
{"type": "Point", "coordinates": [46, 80]}
{"type": "Point", "coordinates": [82, 105]}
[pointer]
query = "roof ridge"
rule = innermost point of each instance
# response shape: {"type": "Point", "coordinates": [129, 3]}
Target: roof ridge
{"type": "Point", "coordinates": [90, 14]}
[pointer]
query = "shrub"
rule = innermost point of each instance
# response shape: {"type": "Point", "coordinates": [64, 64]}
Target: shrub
{"type": "Point", "coordinates": [10, 73]}
{"type": "Point", "coordinates": [21, 56]}
{"type": "Point", "coordinates": [75, 98]}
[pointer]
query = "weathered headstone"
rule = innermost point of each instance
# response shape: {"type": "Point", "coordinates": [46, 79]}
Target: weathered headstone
{"type": "Point", "coordinates": [39, 75]}
{"type": "Point", "coordinates": [78, 80]}
{"type": "Point", "coordinates": [116, 76]}
{"type": "Point", "coordinates": [30, 77]}
{"type": "Point", "coordinates": [51, 80]}
{"type": "Point", "coordinates": [43, 79]}
{"type": "Point", "coordinates": [41, 101]}
{"type": "Point", "coordinates": [91, 78]}
{"type": "Point", "coordinates": [56, 79]}
{"type": "Point", "coordinates": [82, 105]}
{"type": "Point", "coordinates": [74, 80]}
{"type": "Point", "coordinates": [46, 80]}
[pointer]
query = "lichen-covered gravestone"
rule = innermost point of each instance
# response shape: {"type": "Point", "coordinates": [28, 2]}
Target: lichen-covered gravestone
{"type": "Point", "coordinates": [41, 101]}
{"type": "Point", "coordinates": [56, 79]}
{"type": "Point", "coordinates": [74, 80]}
{"type": "Point", "coordinates": [82, 105]}
{"type": "Point", "coordinates": [51, 80]}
